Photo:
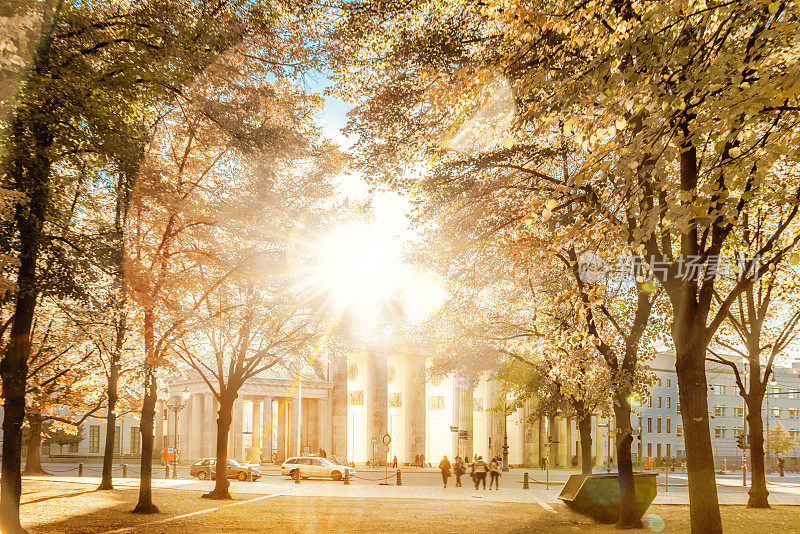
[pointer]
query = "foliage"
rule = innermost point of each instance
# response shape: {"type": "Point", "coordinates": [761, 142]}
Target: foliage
{"type": "Point", "coordinates": [780, 441]}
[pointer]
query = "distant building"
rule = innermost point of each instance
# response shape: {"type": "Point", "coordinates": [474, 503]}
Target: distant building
{"type": "Point", "coordinates": [348, 408]}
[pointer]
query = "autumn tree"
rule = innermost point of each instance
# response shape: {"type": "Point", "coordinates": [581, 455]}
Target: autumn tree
{"type": "Point", "coordinates": [93, 65]}
{"type": "Point", "coordinates": [62, 381]}
{"type": "Point", "coordinates": [227, 173]}
{"type": "Point", "coordinates": [780, 441]}
{"type": "Point", "coordinates": [760, 330]}
{"type": "Point", "coordinates": [672, 107]}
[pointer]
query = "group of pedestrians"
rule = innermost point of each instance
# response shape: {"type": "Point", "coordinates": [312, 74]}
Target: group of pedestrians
{"type": "Point", "coordinates": [478, 469]}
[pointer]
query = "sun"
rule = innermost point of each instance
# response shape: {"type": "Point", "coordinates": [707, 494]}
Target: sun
{"type": "Point", "coordinates": [360, 268]}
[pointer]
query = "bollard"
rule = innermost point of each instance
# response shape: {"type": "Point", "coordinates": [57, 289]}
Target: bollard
{"type": "Point", "coordinates": [166, 470]}
{"type": "Point", "coordinates": [80, 470]}
{"type": "Point", "coordinates": [525, 484]}
{"type": "Point", "coordinates": [399, 479]}
{"type": "Point", "coordinates": [346, 477]}
{"type": "Point", "coordinates": [124, 470]}
{"type": "Point", "coordinates": [297, 476]}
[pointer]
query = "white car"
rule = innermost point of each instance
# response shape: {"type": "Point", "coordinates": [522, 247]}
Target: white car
{"type": "Point", "coordinates": [314, 466]}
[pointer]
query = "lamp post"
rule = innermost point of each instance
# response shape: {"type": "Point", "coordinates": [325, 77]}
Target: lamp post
{"type": "Point", "coordinates": [176, 405]}
{"type": "Point", "coordinates": [505, 434]}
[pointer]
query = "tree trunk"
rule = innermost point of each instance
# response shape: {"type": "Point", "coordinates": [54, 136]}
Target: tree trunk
{"type": "Point", "coordinates": [111, 430]}
{"type": "Point", "coordinates": [225, 416]}
{"type": "Point", "coordinates": [758, 480]}
{"type": "Point", "coordinates": [585, 432]}
{"type": "Point", "coordinates": [145, 504]}
{"type": "Point", "coordinates": [111, 416]}
{"type": "Point", "coordinates": [31, 165]}
{"type": "Point", "coordinates": [33, 458]}
{"type": "Point", "coordinates": [693, 394]}
{"type": "Point", "coordinates": [628, 514]}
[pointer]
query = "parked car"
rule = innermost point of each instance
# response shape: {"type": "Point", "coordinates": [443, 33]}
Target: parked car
{"type": "Point", "coordinates": [314, 466]}
{"type": "Point", "coordinates": [200, 469]}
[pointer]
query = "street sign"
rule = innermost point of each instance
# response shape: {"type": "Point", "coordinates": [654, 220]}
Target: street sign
{"type": "Point", "coordinates": [453, 428]}
{"type": "Point", "coordinates": [387, 439]}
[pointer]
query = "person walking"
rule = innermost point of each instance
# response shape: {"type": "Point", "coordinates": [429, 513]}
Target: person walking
{"type": "Point", "coordinates": [459, 469]}
{"type": "Point", "coordinates": [394, 463]}
{"type": "Point", "coordinates": [444, 467]}
{"type": "Point", "coordinates": [480, 469]}
{"type": "Point", "coordinates": [416, 460]}
{"type": "Point", "coordinates": [494, 473]}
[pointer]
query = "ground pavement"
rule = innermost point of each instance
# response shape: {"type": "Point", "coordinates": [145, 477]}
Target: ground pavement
{"type": "Point", "coordinates": [53, 505]}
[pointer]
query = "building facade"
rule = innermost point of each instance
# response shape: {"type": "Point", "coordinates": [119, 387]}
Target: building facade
{"type": "Point", "coordinates": [350, 408]}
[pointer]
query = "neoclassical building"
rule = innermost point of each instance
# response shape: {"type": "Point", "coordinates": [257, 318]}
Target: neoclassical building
{"type": "Point", "coordinates": [362, 398]}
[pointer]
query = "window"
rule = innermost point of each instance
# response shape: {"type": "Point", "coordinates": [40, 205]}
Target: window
{"type": "Point", "coordinates": [136, 444]}
{"type": "Point", "coordinates": [658, 450]}
{"type": "Point", "coordinates": [776, 412]}
{"type": "Point", "coordinates": [649, 425]}
{"type": "Point", "coordinates": [94, 438]}
{"type": "Point", "coordinates": [649, 449]}
{"type": "Point", "coordinates": [658, 382]}
{"type": "Point", "coordinates": [650, 401]}
{"type": "Point", "coordinates": [738, 431]}
{"type": "Point", "coordinates": [794, 394]}
{"type": "Point", "coordinates": [794, 434]}
{"type": "Point", "coordinates": [669, 425]}
{"type": "Point", "coordinates": [669, 402]}
{"type": "Point", "coordinates": [669, 450]}
{"type": "Point", "coordinates": [679, 430]}
{"type": "Point", "coordinates": [355, 398]}
{"type": "Point", "coordinates": [436, 402]}
{"type": "Point", "coordinates": [116, 440]}
{"type": "Point", "coordinates": [395, 400]}
{"type": "Point", "coordinates": [678, 407]}
{"type": "Point", "coordinates": [658, 426]}
{"type": "Point", "coordinates": [719, 411]}
{"type": "Point", "coordinates": [739, 411]}
{"type": "Point", "coordinates": [73, 447]}
{"type": "Point", "coordinates": [658, 402]}
{"type": "Point", "coordinates": [669, 383]}
{"type": "Point", "coordinates": [477, 404]}
{"type": "Point", "coordinates": [794, 414]}
{"type": "Point", "coordinates": [719, 432]}
{"type": "Point", "coordinates": [718, 389]}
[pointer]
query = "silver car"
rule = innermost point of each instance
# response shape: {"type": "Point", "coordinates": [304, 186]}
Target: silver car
{"type": "Point", "coordinates": [314, 466]}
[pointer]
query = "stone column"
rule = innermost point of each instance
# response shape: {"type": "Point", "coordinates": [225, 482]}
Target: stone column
{"type": "Point", "coordinates": [184, 430]}
{"type": "Point", "coordinates": [294, 413]}
{"type": "Point", "coordinates": [257, 436]}
{"type": "Point", "coordinates": [323, 424]}
{"type": "Point", "coordinates": [377, 403]}
{"type": "Point", "coordinates": [158, 430]}
{"type": "Point", "coordinates": [237, 452]}
{"type": "Point", "coordinates": [338, 400]}
{"type": "Point", "coordinates": [266, 430]}
{"type": "Point", "coordinates": [283, 416]}
{"type": "Point", "coordinates": [468, 444]}
{"type": "Point", "coordinates": [458, 413]}
{"type": "Point", "coordinates": [209, 425]}
{"type": "Point", "coordinates": [419, 410]}
{"type": "Point", "coordinates": [195, 436]}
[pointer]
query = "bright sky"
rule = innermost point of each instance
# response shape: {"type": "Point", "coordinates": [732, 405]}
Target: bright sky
{"type": "Point", "coordinates": [362, 265]}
